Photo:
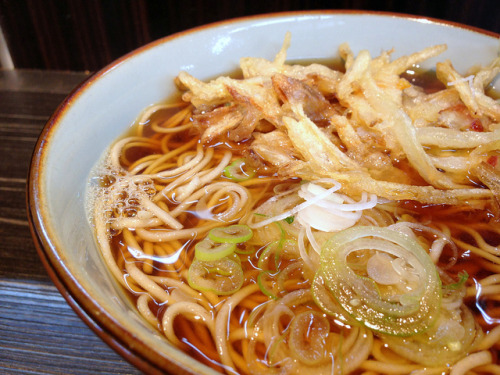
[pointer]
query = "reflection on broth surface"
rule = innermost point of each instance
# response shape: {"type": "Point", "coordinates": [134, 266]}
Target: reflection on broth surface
{"type": "Point", "coordinates": [302, 219]}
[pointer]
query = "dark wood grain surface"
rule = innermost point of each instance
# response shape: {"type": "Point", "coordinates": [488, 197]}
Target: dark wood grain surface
{"type": "Point", "coordinates": [39, 332]}
{"type": "Point", "coordinates": [88, 34]}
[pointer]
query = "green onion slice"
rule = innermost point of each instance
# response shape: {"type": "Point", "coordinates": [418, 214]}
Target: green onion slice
{"type": "Point", "coordinates": [271, 256]}
{"type": "Point", "coordinates": [287, 273]}
{"type": "Point", "coordinates": [208, 250]}
{"type": "Point", "coordinates": [223, 276]}
{"type": "Point", "coordinates": [256, 314]}
{"type": "Point", "coordinates": [463, 276]}
{"type": "Point", "coordinates": [384, 304]}
{"type": "Point", "coordinates": [267, 284]}
{"type": "Point", "coordinates": [308, 338]}
{"type": "Point", "coordinates": [237, 233]}
{"type": "Point", "coordinates": [238, 171]}
{"type": "Point", "coordinates": [273, 352]}
{"type": "Point", "coordinates": [273, 249]}
{"type": "Point", "coordinates": [247, 250]}
{"type": "Point", "coordinates": [450, 339]}
{"type": "Point", "coordinates": [327, 302]}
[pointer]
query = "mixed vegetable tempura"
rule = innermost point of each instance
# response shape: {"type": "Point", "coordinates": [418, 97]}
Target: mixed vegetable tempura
{"type": "Point", "coordinates": [364, 128]}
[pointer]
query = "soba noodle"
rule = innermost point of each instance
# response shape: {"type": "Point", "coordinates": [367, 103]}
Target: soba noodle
{"type": "Point", "coordinates": [309, 220]}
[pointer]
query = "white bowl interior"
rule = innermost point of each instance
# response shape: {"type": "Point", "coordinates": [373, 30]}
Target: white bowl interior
{"type": "Point", "coordinates": [104, 110]}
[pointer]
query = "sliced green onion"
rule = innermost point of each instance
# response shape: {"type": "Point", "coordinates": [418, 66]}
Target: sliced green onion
{"type": "Point", "coordinates": [327, 302]}
{"type": "Point", "coordinates": [209, 250]}
{"type": "Point", "coordinates": [308, 338]}
{"type": "Point", "coordinates": [274, 248]}
{"type": "Point", "coordinates": [411, 313]}
{"type": "Point", "coordinates": [235, 257]}
{"type": "Point", "coordinates": [237, 233]}
{"type": "Point", "coordinates": [266, 284]}
{"type": "Point", "coordinates": [261, 215]}
{"type": "Point", "coordinates": [282, 249]}
{"type": "Point", "coordinates": [223, 276]}
{"type": "Point", "coordinates": [287, 273]}
{"type": "Point", "coordinates": [247, 250]}
{"type": "Point", "coordinates": [273, 352]}
{"type": "Point", "coordinates": [462, 278]}
{"type": "Point", "coordinates": [282, 231]}
{"type": "Point", "coordinates": [238, 171]}
{"type": "Point", "coordinates": [289, 219]}
{"type": "Point", "coordinates": [256, 314]}
{"type": "Point", "coordinates": [449, 340]}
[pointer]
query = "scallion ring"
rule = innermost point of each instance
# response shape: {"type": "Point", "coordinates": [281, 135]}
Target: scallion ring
{"type": "Point", "coordinates": [209, 250]}
{"type": "Point", "coordinates": [275, 251]}
{"type": "Point", "coordinates": [223, 276]}
{"type": "Point", "coordinates": [308, 338]}
{"type": "Point", "coordinates": [400, 308]}
{"type": "Point", "coordinates": [238, 171]}
{"type": "Point", "coordinates": [267, 284]}
{"type": "Point", "coordinates": [237, 233]}
{"type": "Point", "coordinates": [272, 250]}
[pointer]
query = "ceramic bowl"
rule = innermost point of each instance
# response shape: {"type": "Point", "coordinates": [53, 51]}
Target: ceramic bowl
{"type": "Point", "coordinates": [103, 107]}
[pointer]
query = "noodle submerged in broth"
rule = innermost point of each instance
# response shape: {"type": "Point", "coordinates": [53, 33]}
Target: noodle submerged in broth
{"type": "Point", "coordinates": [302, 219]}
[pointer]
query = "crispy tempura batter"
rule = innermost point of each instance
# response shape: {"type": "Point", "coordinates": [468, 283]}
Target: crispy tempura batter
{"type": "Point", "coordinates": [368, 128]}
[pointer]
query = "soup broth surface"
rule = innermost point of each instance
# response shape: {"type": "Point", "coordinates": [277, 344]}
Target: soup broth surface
{"type": "Point", "coordinates": [317, 285]}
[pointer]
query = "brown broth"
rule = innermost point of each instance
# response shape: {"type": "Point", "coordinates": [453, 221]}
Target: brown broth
{"type": "Point", "coordinates": [196, 338]}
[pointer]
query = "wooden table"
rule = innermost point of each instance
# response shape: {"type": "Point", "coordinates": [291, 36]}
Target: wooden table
{"type": "Point", "coordinates": [39, 332]}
